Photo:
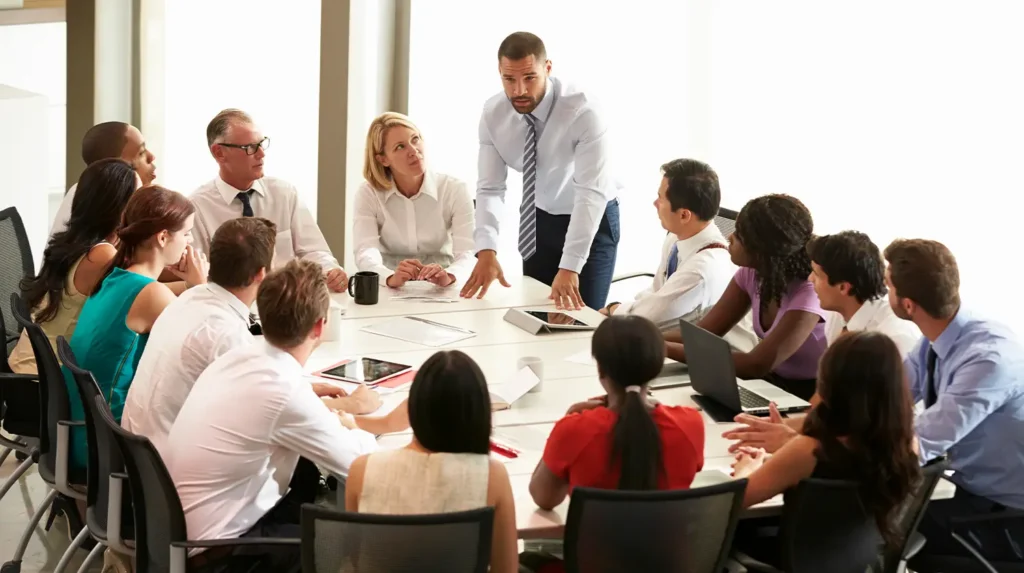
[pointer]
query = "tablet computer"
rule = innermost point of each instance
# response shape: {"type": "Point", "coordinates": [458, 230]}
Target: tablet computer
{"type": "Point", "coordinates": [536, 321]}
{"type": "Point", "coordinates": [556, 318]}
{"type": "Point", "coordinates": [364, 370]}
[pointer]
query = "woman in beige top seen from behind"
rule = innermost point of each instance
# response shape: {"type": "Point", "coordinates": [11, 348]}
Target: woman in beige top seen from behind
{"type": "Point", "coordinates": [447, 467]}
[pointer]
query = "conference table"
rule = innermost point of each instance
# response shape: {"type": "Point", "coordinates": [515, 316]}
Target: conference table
{"type": "Point", "coordinates": [569, 376]}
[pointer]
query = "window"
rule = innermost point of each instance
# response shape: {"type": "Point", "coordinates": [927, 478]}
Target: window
{"type": "Point", "coordinates": [631, 61]}
{"type": "Point", "coordinates": [262, 56]}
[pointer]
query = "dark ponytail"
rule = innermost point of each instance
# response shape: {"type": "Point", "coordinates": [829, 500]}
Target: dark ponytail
{"type": "Point", "coordinates": [630, 352]}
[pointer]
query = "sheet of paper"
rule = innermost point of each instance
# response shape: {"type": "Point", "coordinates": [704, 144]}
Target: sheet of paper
{"type": "Point", "coordinates": [426, 292]}
{"type": "Point", "coordinates": [419, 330]}
{"type": "Point", "coordinates": [506, 393]}
{"type": "Point", "coordinates": [582, 357]}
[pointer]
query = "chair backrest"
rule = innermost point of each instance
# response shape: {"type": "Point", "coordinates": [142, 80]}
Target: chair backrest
{"type": "Point", "coordinates": [53, 393]}
{"type": "Point", "coordinates": [159, 518]}
{"type": "Point", "coordinates": [825, 527]}
{"type": "Point", "coordinates": [912, 511]}
{"type": "Point", "coordinates": [684, 531]}
{"type": "Point", "coordinates": [726, 221]}
{"type": "Point", "coordinates": [335, 541]}
{"type": "Point", "coordinates": [15, 264]}
{"type": "Point", "coordinates": [104, 453]}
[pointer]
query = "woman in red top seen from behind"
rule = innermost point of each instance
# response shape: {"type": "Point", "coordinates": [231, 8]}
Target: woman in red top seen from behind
{"type": "Point", "coordinates": [624, 440]}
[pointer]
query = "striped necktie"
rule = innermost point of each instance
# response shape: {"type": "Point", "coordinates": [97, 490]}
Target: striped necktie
{"type": "Point", "coordinates": [527, 209]}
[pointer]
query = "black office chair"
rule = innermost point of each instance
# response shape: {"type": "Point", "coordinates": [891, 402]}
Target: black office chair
{"type": "Point", "coordinates": [726, 223]}
{"type": "Point", "coordinates": [894, 558]}
{"type": "Point", "coordinates": [54, 455]}
{"type": "Point", "coordinates": [161, 537]}
{"type": "Point", "coordinates": [825, 527]}
{"type": "Point", "coordinates": [15, 264]}
{"type": "Point", "coordinates": [683, 531]}
{"type": "Point", "coordinates": [335, 541]}
{"type": "Point", "coordinates": [977, 562]}
{"type": "Point", "coordinates": [108, 502]}
{"type": "Point", "coordinates": [19, 417]}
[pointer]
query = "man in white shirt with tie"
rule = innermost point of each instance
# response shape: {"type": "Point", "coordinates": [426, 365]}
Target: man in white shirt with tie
{"type": "Point", "coordinates": [251, 416]}
{"type": "Point", "coordinates": [695, 265]}
{"type": "Point", "coordinates": [204, 323]}
{"type": "Point", "coordinates": [241, 190]}
{"type": "Point", "coordinates": [109, 140]}
{"type": "Point", "coordinates": [569, 215]}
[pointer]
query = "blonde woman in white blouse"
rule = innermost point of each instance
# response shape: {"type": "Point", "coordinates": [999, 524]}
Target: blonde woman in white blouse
{"type": "Point", "coordinates": [411, 223]}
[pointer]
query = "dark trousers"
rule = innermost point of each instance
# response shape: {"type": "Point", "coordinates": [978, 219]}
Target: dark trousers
{"type": "Point", "coordinates": [283, 522]}
{"type": "Point", "coordinates": [596, 276]}
{"type": "Point", "coordinates": [999, 541]}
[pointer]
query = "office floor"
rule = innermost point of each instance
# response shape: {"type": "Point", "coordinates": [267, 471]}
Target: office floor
{"type": "Point", "coordinates": [45, 548]}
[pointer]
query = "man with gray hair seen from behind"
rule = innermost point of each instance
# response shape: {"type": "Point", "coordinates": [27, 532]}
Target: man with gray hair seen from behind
{"type": "Point", "coordinates": [241, 190]}
{"type": "Point", "coordinates": [109, 140]}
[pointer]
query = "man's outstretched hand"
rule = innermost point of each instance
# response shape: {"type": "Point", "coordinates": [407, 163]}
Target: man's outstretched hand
{"type": "Point", "coordinates": [486, 270]}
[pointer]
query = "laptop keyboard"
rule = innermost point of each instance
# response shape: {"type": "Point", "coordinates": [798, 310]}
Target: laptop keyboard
{"type": "Point", "coordinates": [751, 400]}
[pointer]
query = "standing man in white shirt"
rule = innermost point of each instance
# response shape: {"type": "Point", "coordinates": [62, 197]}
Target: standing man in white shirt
{"type": "Point", "coordinates": [695, 265]}
{"type": "Point", "coordinates": [109, 140]}
{"type": "Point", "coordinates": [569, 215]}
{"type": "Point", "coordinates": [241, 190]}
{"type": "Point", "coordinates": [251, 416]}
{"type": "Point", "coordinates": [848, 275]}
{"type": "Point", "coordinates": [411, 222]}
{"type": "Point", "coordinates": [204, 323]}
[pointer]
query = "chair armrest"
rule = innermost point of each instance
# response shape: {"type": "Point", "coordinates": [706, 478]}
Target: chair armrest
{"type": "Point", "coordinates": [631, 276]}
{"type": "Point", "coordinates": [64, 458]}
{"type": "Point", "coordinates": [5, 377]}
{"type": "Point", "coordinates": [115, 538]}
{"type": "Point", "coordinates": [914, 546]}
{"type": "Point", "coordinates": [751, 564]}
{"type": "Point", "coordinates": [179, 549]}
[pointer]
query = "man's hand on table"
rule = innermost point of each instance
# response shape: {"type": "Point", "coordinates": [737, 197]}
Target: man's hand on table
{"type": "Point", "coordinates": [486, 270]}
{"type": "Point", "coordinates": [362, 400]}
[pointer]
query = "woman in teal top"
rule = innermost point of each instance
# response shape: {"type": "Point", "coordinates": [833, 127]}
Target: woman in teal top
{"type": "Point", "coordinates": [115, 321]}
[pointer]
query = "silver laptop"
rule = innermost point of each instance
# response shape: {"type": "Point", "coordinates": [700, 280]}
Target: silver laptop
{"type": "Point", "coordinates": [713, 374]}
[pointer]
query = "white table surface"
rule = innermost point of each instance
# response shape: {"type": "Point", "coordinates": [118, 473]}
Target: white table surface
{"type": "Point", "coordinates": [524, 291]}
{"type": "Point", "coordinates": [497, 347]}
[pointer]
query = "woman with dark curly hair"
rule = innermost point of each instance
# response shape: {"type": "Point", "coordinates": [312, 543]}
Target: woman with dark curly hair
{"type": "Point", "coordinates": [770, 247]}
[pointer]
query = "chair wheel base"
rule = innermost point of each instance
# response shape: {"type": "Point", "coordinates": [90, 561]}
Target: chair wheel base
{"type": "Point", "coordinates": [11, 567]}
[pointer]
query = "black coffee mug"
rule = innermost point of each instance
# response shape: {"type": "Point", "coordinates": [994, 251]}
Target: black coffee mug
{"type": "Point", "coordinates": [364, 287]}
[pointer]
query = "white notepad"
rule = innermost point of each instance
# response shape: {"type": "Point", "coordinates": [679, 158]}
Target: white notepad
{"type": "Point", "coordinates": [505, 394]}
{"type": "Point", "coordinates": [419, 330]}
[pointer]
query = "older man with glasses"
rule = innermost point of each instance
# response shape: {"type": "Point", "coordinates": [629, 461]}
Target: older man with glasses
{"type": "Point", "coordinates": [240, 189]}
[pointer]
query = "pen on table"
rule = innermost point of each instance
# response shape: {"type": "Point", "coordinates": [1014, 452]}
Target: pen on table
{"type": "Point", "coordinates": [504, 450]}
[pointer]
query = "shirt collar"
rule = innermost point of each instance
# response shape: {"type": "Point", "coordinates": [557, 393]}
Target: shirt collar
{"type": "Point", "coordinates": [543, 109]}
{"type": "Point", "coordinates": [861, 318]}
{"type": "Point", "coordinates": [943, 345]}
{"type": "Point", "coordinates": [708, 235]}
{"type": "Point", "coordinates": [233, 301]}
{"type": "Point", "coordinates": [228, 193]}
{"type": "Point", "coordinates": [428, 188]}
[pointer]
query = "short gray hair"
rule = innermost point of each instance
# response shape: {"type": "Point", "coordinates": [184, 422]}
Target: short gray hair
{"type": "Point", "coordinates": [219, 124]}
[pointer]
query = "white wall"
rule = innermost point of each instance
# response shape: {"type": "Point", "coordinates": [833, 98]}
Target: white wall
{"type": "Point", "coordinates": [22, 167]}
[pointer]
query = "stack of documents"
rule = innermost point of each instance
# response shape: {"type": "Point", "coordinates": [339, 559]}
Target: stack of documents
{"type": "Point", "coordinates": [419, 330]}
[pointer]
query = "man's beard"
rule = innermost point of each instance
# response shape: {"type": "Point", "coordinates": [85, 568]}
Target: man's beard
{"type": "Point", "coordinates": [533, 103]}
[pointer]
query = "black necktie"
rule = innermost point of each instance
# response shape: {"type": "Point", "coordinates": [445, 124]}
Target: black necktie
{"type": "Point", "coordinates": [931, 394]}
{"type": "Point", "coordinates": [245, 198]}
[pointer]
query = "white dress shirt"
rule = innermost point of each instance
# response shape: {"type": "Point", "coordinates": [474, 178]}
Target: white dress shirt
{"type": "Point", "coordinates": [60, 222]}
{"type": "Point", "coordinates": [572, 167]}
{"type": "Point", "coordinates": [876, 316]}
{"type": "Point", "coordinates": [701, 276]}
{"type": "Point", "coordinates": [205, 322]}
{"type": "Point", "coordinates": [298, 236]}
{"type": "Point", "coordinates": [434, 226]}
{"type": "Point", "coordinates": [235, 443]}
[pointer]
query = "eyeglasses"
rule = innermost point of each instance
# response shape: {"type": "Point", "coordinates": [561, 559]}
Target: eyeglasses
{"type": "Point", "coordinates": [250, 148]}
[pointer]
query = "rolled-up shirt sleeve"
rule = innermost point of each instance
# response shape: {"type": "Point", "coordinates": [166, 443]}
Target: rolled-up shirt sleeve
{"type": "Point", "coordinates": [593, 188]}
{"type": "Point", "coordinates": [490, 190]}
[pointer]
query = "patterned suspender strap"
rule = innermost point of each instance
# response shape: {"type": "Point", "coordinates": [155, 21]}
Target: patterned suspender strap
{"type": "Point", "coordinates": [713, 246]}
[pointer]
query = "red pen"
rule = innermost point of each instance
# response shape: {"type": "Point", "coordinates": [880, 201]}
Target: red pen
{"type": "Point", "coordinates": [504, 450]}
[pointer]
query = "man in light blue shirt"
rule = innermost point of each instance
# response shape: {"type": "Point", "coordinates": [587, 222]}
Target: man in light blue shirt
{"type": "Point", "coordinates": [569, 216]}
{"type": "Point", "coordinates": [969, 372]}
